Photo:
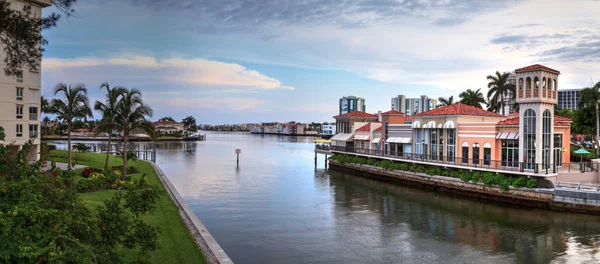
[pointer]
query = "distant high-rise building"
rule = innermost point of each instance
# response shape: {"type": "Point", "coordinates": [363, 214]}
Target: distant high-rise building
{"type": "Point", "coordinates": [412, 106]}
{"type": "Point", "coordinates": [352, 103]}
{"type": "Point", "coordinates": [568, 98]}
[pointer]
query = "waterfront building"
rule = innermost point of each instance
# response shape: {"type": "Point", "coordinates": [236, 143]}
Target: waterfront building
{"type": "Point", "coordinates": [364, 136]}
{"type": "Point", "coordinates": [351, 103]}
{"type": "Point", "coordinates": [411, 106]}
{"type": "Point", "coordinates": [20, 96]}
{"type": "Point", "coordinates": [346, 124]}
{"type": "Point", "coordinates": [529, 142]}
{"type": "Point", "coordinates": [568, 99]}
{"type": "Point", "coordinates": [328, 130]}
{"type": "Point", "coordinates": [167, 127]}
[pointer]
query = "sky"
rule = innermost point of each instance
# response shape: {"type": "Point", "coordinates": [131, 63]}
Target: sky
{"type": "Point", "coordinates": [234, 61]}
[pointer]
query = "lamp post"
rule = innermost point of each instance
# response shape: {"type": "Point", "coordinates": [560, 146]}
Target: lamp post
{"type": "Point", "coordinates": [237, 152]}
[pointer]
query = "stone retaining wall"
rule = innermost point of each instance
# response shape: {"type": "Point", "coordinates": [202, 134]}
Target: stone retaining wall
{"type": "Point", "coordinates": [535, 198]}
{"type": "Point", "coordinates": [212, 250]}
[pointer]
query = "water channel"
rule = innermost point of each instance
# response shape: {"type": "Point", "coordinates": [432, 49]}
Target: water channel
{"type": "Point", "coordinates": [276, 207]}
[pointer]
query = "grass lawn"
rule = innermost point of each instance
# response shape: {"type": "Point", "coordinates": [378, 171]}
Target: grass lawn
{"type": "Point", "coordinates": [175, 240]}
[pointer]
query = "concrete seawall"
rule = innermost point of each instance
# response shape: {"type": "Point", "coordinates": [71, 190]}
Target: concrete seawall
{"type": "Point", "coordinates": [567, 200]}
{"type": "Point", "coordinates": [212, 250]}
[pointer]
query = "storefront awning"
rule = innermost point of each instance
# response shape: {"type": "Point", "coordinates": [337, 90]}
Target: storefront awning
{"type": "Point", "coordinates": [376, 140]}
{"type": "Point", "coordinates": [342, 137]}
{"type": "Point", "coordinates": [507, 135]}
{"type": "Point", "coordinates": [361, 137]}
{"type": "Point", "coordinates": [400, 140]}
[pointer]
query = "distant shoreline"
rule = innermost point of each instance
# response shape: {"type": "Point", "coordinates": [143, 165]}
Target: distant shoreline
{"type": "Point", "coordinates": [131, 139]}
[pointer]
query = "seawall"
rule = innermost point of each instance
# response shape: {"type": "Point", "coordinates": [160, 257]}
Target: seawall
{"type": "Point", "coordinates": [210, 248]}
{"type": "Point", "coordinates": [567, 200]}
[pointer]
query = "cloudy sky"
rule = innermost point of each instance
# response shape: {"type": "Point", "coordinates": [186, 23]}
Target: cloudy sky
{"type": "Point", "coordinates": [234, 61]}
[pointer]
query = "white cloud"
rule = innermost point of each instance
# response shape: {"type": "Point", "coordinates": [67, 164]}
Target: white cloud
{"type": "Point", "coordinates": [195, 72]}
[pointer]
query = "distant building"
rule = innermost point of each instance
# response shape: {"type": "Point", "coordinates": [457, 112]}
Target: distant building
{"type": "Point", "coordinates": [412, 106]}
{"type": "Point", "coordinates": [352, 103]}
{"type": "Point", "coordinates": [568, 99]}
{"type": "Point", "coordinates": [167, 127]}
{"type": "Point", "coordinates": [509, 98]}
{"type": "Point", "coordinates": [328, 130]}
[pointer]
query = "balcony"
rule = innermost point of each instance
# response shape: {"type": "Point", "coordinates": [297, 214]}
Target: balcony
{"type": "Point", "coordinates": [511, 167]}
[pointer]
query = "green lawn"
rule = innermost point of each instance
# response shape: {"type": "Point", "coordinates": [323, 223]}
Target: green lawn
{"type": "Point", "coordinates": [175, 240]}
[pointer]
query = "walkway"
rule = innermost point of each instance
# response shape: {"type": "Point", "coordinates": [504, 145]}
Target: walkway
{"type": "Point", "coordinates": [63, 166]}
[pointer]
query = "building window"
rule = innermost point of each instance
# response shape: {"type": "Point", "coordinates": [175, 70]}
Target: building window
{"type": "Point", "coordinates": [33, 113]}
{"type": "Point", "coordinates": [19, 112]}
{"type": "Point", "coordinates": [451, 145]}
{"type": "Point", "coordinates": [487, 154]}
{"type": "Point", "coordinates": [440, 147]}
{"type": "Point", "coordinates": [475, 153]}
{"type": "Point", "coordinates": [425, 142]}
{"type": "Point", "coordinates": [33, 131]}
{"type": "Point", "coordinates": [20, 76]}
{"type": "Point", "coordinates": [558, 150]}
{"type": "Point", "coordinates": [20, 93]}
{"type": "Point", "coordinates": [19, 130]}
{"type": "Point", "coordinates": [465, 152]}
{"type": "Point", "coordinates": [546, 134]}
{"type": "Point", "coordinates": [433, 144]}
{"type": "Point", "coordinates": [529, 131]}
{"type": "Point", "coordinates": [510, 152]}
{"type": "Point", "coordinates": [418, 142]}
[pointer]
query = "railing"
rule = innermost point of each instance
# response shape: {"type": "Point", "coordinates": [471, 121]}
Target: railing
{"type": "Point", "coordinates": [504, 165]}
{"type": "Point", "coordinates": [322, 147]}
{"type": "Point", "coordinates": [578, 186]}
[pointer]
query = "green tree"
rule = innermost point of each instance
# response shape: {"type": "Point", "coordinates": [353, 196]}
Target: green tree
{"type": "Point", "coordinates": [499, 87]}
{"type": "Point", "coordinates": [590, 97]}
{"type": "Point", "coordinates": [189, 124]}
{"type": "Point", "coordinates": [472, 98]}
{"type": "Point", "coordinates": [131, 114]}
{"type": "Point", "coordinates": [21, 34]}
{"type": "Point", "coordinates": [167, 118]}
{"type": "Point", "coordinates": [45, 105]}
{"type": "Point", "coordinates": [73, 105]}
{"type": "Point", "coordinates": [443, 101]}
{"type": "Point", "coordinates": [108, 109]}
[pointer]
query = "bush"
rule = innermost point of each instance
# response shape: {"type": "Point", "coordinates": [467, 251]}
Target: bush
{"type": "Point", "coordinates": [531, 183]}
{"type": "Point", "coordinates": [520, 182]}
{"type": "Point", "coordinates": [466, 177]}
{"type": "Point", "coordinates": [87, 171]}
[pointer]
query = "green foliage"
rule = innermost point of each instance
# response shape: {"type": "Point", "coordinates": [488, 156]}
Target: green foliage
{"type": "Point", "coordinates": [2, 134]}
{"type": "Point", "coordinates": [466, 177]}
{"type": "Point", "coordinates": [531, 183]}
{"type": "Point", "coordinates": [130, 155]}
{"type": "Point", "coordinates": [472, 97]}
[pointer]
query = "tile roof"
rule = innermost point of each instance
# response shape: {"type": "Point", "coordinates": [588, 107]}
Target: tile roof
{"type": "Point", "coordinates": [458, 109]}
{"type": "Point", "coordinates": [392, 112]}
{"type": "Point", "coordinates": [379, 129]}
{"type": "Point", "coordinates": [356, 114]}
{"type": "Point", "coordinates": [366, 127]}
{"type": "Point", "coordinates": [536, 67]}
{"type": "Point", "coordinates": [408, 118]}
{"type": "Point", "coordinates": [513, 120]}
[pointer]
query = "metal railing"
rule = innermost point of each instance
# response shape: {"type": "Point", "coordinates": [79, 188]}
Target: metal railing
{"type": "Point", "coordinates": [578, 186]}
{"type": "Point", "coordinates": [323, 147]}
{"type": "Point", "coordinates": [504, 165]}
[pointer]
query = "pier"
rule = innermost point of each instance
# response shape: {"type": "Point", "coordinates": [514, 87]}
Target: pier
{"type": "Point", "coordinates": [322, 146]}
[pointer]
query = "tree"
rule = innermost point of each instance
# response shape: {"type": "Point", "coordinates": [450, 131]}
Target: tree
{"type": "Point", "coordinates": [189, 124]}
{"type": "Point", "coordinates": [108, 109]}
{"type": "Point", "coordinates": [21, 34]}
{"type": "Point", "coordinates": [590, 97]}
{"type": "Point", "coordinates": [167, 118]}
{"type": "Point", "coordinates": [443, 101]}
{"type": "Point", "coordinates": [499, 87]}
{"type": "Point", "coordinates": [131, 114]}
{"type": "Point", "coordinates": [45, 105]}
{"type": "Point", "coordinates": [73, 105]}
{"type": "Point", "coordinates": [472, 97]}
{"type": "Point", "coordinates": [493, 105]}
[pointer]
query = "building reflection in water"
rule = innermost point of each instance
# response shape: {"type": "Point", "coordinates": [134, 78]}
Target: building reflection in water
{"type": "Point", "coordinates": [525, 235]}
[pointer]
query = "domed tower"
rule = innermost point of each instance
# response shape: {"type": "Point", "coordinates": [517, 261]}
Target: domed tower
{"type": "Point", "coordinates": [536, 96]}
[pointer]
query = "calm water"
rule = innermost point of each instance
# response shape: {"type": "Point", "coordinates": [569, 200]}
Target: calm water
{"type": "Point", "coordinates": [276, 207]}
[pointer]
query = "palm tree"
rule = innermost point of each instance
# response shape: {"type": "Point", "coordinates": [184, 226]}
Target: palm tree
{"type": "Point", "coordinates": [45, 105]}
{"type": "Point", "coordinates": [131, 114]}
{"type": "Point", "coordinates": [443, 101]}
{"type": "Point", "coordinates": [499, 87]}
{"type": "Point", "coordinates": [189, 123]}
{"type": "Point", "coordinates": [590, 96]}
{"type": "Point", "coordinates": [73, 105]}
{"type": "Point", "coordinates": [108, 109]}
{"type": "Point", "coordinates": [472, 97]}
{"type": "Point", "coordinates": [493, 105]}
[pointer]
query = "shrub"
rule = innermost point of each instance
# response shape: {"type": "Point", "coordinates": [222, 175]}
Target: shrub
{"type": "Point", "coordinates": [130, 169]}
{"type": "Point", "coordinates": [87, 171]}
{"type": "Point", "coordinates": [466, 177]}
{"type": "Point", "coordinates": [531, 183]}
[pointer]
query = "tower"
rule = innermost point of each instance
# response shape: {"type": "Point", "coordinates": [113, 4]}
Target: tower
{"type": "Point", "coordinates": [536, 96]}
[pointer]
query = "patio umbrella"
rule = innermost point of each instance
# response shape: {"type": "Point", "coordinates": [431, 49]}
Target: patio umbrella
{"type": "Point", "coordinates": [582, 152]}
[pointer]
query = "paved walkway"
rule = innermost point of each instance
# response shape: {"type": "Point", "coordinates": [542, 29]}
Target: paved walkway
{"type": "Point", "coordinates": [63, 166]}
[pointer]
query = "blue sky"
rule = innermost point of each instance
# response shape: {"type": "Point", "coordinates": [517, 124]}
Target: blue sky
{"type": "Point", "coordinates": [236, 61]}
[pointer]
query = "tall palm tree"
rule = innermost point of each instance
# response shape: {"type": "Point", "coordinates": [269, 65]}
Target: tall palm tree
{"type": "Point", "coordinates": [443, 101]}
{"type": "Point", "coordinates": [131, 114]}
{"type": "Point", "coordinates": [45, 105]}
{"type": "Point", "coordinates": [472, 97]}
{"type": "Point", "coordinates": [108, 109]}
{"type": "Point", "coordinates": [73, 105]}
{"type": "Point", "coordinates": [189, 123]}
{"type": "Point", "coordinates": [493, 105]}
{"type": "Point", "coordinates": [499, 87]}
{"type": "Point", "coordinates": [590, 96]}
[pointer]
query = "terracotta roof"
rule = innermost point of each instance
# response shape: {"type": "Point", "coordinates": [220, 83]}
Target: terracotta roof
{"type": "Point", "coordinates": [356, 114]}
{"type": "Point", "coordinates": [366, 127]}
{"type": "Point", "coordinates": [408, 118]}
{"type": "Point", "coordinates": [168, 122]}
{"type": "Point", "coordinates": [458, 109]}
{"type": "Point", "coordinates": [393, 112]}
{"type": "Point", "coordinates": [536, 67]}
{"type": "Point", "coordinates": [379, 129]}
{"type": "Point", "coordinates": [513, 120]}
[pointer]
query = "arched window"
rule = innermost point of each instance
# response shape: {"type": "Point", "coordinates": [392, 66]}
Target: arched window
{"type": "Point", "coordinates": [451, 145]}
{"type": "Point", "coordinates": [520, 87]}
{"type": "Point", "coordinates": [546, 137]}
{"type": "Point", "coordinates": [550, 88]}
{"type": "Point", "coordinates": [528, 87]}
{"type": "Point", "coordinates": [476, 154]}
{"type": "Point", "coordinates": [529, 131]}
{"type": "Point", "coordinates": [544, 93]}
{"type": "Point", "coordinates": [487, 153]}
{"type": "Point", "coordinates": [465, 152]}
{"type": "Point", "coordinates": [536, 90]}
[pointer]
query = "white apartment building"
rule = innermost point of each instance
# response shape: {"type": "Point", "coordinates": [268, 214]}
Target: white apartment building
{"type": "Point", "coordinates": [328, 130]}
{"type": "Point", "coordinates": [20, 106]}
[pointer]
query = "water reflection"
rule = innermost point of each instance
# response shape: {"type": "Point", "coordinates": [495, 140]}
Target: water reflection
{"type": "Point", "coordinates": [277, 207]}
